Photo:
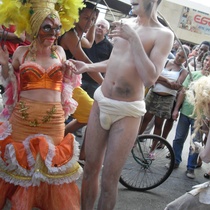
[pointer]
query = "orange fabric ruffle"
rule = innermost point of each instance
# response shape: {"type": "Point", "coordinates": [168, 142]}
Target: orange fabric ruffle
{"type": "Point", "coordinates": [44, 196]}
{"type": "Point", "coordinates": [38, 144]}
{"type": "Point", "coordinates": [38, 165]}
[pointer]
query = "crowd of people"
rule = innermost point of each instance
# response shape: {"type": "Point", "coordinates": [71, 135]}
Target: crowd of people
{"type": "Point", "coordinates": [46, 100]}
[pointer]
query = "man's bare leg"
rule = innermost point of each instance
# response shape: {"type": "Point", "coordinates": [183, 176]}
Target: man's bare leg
{"type": "Point", "coordinates": [95, 145]}
{"type": "Point", "coordinates": [82, 149]}
{"type": "Point", "coordinates": [122, 136]}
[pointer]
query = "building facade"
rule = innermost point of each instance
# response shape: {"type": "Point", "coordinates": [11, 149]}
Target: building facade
{"type": "Point", "coordinates": [190, 25]}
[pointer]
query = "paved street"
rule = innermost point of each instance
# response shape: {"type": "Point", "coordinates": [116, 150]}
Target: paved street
{"type": "Point", "coordinates": [156, 199]}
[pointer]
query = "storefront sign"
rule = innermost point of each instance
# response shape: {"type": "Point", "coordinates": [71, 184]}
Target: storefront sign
{"type": "Point", "coordinates": [195, 21]}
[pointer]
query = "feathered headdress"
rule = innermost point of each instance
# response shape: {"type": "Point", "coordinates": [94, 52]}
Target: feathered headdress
{"type": "Point", "coordinates": [28, 15]}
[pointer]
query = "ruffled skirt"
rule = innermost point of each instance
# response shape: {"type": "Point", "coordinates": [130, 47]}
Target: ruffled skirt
{"type": "Point", "coordinates": [38, 165]}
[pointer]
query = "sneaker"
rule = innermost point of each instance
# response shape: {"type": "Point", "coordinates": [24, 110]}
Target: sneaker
{"type": "Point", "coordinates": [176, 165]}
{"type": "Point", "coordinates": [168, 156]}
{"type": "Point", "coordinates": [190, 174]}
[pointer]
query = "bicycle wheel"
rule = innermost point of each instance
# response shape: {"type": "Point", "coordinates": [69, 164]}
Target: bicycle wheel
{"type": "Point", "coordinates": [145, 170]}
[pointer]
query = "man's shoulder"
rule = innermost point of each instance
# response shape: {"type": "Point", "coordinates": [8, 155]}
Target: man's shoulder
{"type": "Point", "coordinates": [163, 34]}
{"type": "Point", "coordinates": [107, 41]}
{"type": "Point", "coordinates": [22, 49]}
{"type": "Point", "coordinates": [164, 31]}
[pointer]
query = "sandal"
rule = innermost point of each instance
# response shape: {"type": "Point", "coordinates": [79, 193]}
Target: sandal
{"type": "Point", "coordinates": [160, 146]}
{"type": "Point", "coordinates": [207, 176]}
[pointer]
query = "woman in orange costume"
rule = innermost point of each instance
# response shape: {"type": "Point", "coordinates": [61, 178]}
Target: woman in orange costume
{"type": "Point", "coordinates": [38, 165]}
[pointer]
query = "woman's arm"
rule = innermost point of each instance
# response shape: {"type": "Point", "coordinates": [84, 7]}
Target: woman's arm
{"type": "Point", "coordinates": [182, 76]}
{"type": "Point", "coordinates": [4, 61]}
{"type": "Point", "coordinates": [169, 84]}
{"type": "Point", "coordinates": [164, 81]}
{"type": "Point", "coordinates": [75, 48]}
{"type": "Point", "coordinates": [87, 41]}
{"type": "Point", "coordinates": [12, 37]}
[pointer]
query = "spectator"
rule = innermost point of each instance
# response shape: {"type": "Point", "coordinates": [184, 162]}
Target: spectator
{"type": "Point", "coordinates": [194, 51]}
{"type": "Point", "coordinates": [198, 197]}
{"type": "Point", "coordinates": [175, 47]}
{"type": "Point", "coordinates": [186, 120]}
{"type": "Point", "coordinates": [73, 50]}
{"type": "Point", "coordinates": [100, 51]}
{"type": "Point", "coordinates": [161, 97]}
{"type": "Point", "coordinates": [195, 62]}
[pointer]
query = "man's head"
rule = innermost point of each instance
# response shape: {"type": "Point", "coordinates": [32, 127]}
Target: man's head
{"type": "Point", "coordinates": [203, 48]}
{"type": "Point", "coordinates": [146, 6]}
{"type": "Point", "coordinates": [102, 27]}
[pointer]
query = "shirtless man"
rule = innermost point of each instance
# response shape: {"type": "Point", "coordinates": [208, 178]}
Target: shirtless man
{"type": "Point", "coordinates": [141, 47]}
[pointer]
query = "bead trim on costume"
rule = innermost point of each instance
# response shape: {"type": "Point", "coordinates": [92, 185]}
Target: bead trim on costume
{"type": "Point", "coordinates": [75, 169]}
{"type": "Point", "coordinates": [35, 122]}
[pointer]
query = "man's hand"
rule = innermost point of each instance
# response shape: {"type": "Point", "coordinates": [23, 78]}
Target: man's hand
{"type": "Point", "coordinates": [81, 67]}
{"type": "Point", "coordinates": [122, 30]}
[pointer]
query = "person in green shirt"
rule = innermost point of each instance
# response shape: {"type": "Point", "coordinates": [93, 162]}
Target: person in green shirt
{"type": "Point", "coordinates": [186, 119]}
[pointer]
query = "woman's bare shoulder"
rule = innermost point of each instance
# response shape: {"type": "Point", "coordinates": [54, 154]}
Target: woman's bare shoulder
{"type": "Point", "coordinates": [20, 52]}
{"type": "Point", "coordinates": [22, 49]}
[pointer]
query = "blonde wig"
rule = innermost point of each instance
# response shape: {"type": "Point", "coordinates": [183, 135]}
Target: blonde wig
{"type": "Point", "coordinates": [198, 94]}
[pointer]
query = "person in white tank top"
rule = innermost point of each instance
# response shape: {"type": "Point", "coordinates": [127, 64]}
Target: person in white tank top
{"type": "Point", "coordinates": [161, 97]}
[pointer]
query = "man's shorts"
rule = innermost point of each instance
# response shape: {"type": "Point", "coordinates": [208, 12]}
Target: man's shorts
{"type": "Point", "coordinates": [85, 103]}
{"type": "Point", "coordinates": [160, 106]}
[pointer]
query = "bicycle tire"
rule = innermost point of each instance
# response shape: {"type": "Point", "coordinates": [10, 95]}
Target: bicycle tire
{"type": "Point", "coordinates": [141, 174]}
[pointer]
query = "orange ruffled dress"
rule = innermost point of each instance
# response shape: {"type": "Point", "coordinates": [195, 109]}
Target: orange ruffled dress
{"type": "Point", "coordinates": [38, 165]}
